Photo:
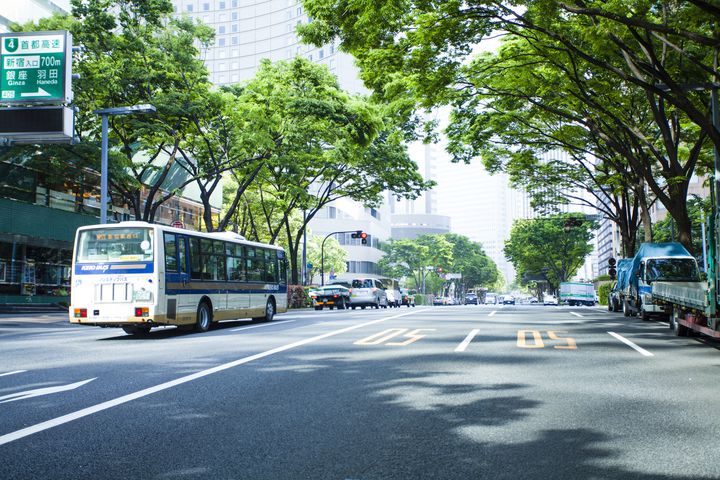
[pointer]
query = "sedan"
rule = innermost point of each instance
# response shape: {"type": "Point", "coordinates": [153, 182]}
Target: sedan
{"type": "Point", "coordinates": [471, 299]}
{"type": "Point", "coordinates": [330, 296]}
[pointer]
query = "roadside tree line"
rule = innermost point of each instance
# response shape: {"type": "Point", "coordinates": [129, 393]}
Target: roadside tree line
{"type": "Point", "coordinates": [621, 88]}
{"type": "Point", "coordinates": [426, 260]}
{"type": "Point", "coordinates": [288, 141]}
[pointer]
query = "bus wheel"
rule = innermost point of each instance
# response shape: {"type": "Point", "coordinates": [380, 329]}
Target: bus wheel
{"type": "Point", "coordinates": [269, 311]}
{"type": "Point", "coordinates": [204, 317]}
{"type": "Point", "coordinates": [136, 330]}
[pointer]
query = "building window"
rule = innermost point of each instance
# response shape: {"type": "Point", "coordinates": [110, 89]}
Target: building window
{"type": "Point", "coordinates": [234, 40]}
{"type": "Point", "coordinates": [221, 42]}
{"type": "Point", "coordinates": [299, 11]}
{"type": "Point", "coordinates": [321, 54]}
{"type": "Point", "coordinates": [234, 16]}
{"type": "Point", "coordinates": [234, 28]}
{"type": "Point", "coordinates": [234, 3]}
{"type": "Point", "coordinates": [221, 29]}
{"type": "Point", "coordinates": [189, 8]}
{"type": "Point", "coordinates": [206, 7]}
{"type": "Point", "coordinates": [222, 5]}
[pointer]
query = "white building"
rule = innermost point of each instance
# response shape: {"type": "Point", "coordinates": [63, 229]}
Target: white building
{"type": "Point", "coordinates": [413, 218]}
{"type": "Point", "coordinates": [22, 11]}
{"type": "Point", "coordinates": [248, 31]}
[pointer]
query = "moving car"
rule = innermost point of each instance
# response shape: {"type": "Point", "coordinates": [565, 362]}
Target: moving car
{"type": "Point", "coordinates": [408, 297]}
{"type": "Point", "coordinates": [490, 299]}
{"type": "Point", "coordinates": [471, 299]}
{"type": "Point", "coordinates": [550, 300]}
{"type": "Point", "coordinates": [330, 296]}
{"type": "Point", "coordinates": [368, 292]}
{"type": "Point", "coordinates": [508, 300]}
{"type": "Point", "coordinates": [442, 301]}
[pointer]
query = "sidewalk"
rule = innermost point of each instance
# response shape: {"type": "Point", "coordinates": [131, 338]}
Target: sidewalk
{"type": "Point", "coordinates": [33, 318]}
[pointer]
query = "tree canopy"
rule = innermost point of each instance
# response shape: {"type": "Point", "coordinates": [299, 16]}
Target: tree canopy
{"type": "Point", "coordinates": [553, 247]}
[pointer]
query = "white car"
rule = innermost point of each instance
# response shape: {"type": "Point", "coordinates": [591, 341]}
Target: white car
{"type": "Point", "coordinates": [367, 292]}
{"type": "Point", "coordinates": [550, 300]}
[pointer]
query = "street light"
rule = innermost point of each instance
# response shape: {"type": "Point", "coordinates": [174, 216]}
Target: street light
{"type": "Point", "coordinates": [104, 114]}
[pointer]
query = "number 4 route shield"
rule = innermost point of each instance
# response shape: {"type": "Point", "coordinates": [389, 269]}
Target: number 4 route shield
{"type": "Point", "coordinates": [35, 67]}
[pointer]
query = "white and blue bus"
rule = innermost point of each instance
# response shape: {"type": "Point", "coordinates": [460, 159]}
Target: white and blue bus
{"type": "Point", "coordinates": [137, 275]}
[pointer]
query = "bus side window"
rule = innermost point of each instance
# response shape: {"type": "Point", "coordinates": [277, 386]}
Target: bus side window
{"type": "Point", "coordinates": [283, 271]}
{"type": "Point", "coordinates": [195, 263]}
{"type": "Point", "coordinates": [271, 271]}
{"type": "Point", "coordinates": [171, 264]}
{"type": "Point", "coordinates": [182, 253]}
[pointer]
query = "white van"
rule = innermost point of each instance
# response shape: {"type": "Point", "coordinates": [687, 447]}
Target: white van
{"type": "Point", "coordinates": [392, 290]}
{"type": "Point", "coordinates": [368, 292]}
{"type": "Point", "coordinates": [490, 299]}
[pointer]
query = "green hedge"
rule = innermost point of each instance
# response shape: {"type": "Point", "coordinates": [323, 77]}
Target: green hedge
{"type": "Point", "coordinates": [603, 292]}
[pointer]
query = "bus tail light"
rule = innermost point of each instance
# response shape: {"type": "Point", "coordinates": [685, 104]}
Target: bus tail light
{"type": "Point", "coordinates": [81, 313]}
{"type": "Point", "coordinates": [142, 312]}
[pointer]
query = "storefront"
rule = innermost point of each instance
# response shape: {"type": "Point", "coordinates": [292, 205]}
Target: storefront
{"type": "Point", "coordinates": [36, 252]}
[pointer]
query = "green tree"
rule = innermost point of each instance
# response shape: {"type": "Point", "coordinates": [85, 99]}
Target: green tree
{"type": "Point", "coordinates": [470, 260]}
{"type": "Point", "coordinates": [554, 246]}
{"type": "Point", "coordinates": [414, 55]}
{"type": "Point", "coordinates": [335, 257]}
{"type": "Point", "coordinates": [327, 145]}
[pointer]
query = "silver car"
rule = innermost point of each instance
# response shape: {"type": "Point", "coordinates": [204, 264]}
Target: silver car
{"type": "Point", "coordinates": [368, 292]}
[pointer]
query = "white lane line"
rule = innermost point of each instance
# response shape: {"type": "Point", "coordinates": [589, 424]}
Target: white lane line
{"type": "Point", "coordinates": [12, 373]}
{"type": "Point", "coordinates": [576, 314]}
{"type": "Point", "coordinates": [11, 437]}
{"type": "Point", "coordinates": [463, 345]}
{"type": "Point", "coordinates": [492, 313]}
{"type": "Point", "coordinates": [631, 344]}
{"type": "Point", "coordinates": [14, 397]}
{"type": "Point", "coordinates": [270, 324]}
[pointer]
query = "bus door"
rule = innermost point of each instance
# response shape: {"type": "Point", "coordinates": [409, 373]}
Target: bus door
{"type": "Point", "coordinates": [176, 276]}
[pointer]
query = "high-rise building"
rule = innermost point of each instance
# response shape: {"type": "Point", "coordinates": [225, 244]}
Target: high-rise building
{"type": "Point", "coordinates": [249, 31]}
{"type": "Point", "coordinates": [413, 218]}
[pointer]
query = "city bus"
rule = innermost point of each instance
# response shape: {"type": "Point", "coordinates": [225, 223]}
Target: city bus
{"type": "Point", "coordinates": [137, 275]}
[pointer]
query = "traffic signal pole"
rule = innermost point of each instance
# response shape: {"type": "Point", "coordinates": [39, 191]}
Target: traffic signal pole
{"type": "Point", "coordinates": [356, 234]}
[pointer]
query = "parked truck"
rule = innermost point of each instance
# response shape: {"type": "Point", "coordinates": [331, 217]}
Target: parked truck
{"type": "Point", "coordinates": [577, 293]}
{"type": "Point", "coordinates": [616, 297]}
{"type": "Point", "coordinates": [692, 305]}
{"type": "Point", "coordinates": [654, 263]}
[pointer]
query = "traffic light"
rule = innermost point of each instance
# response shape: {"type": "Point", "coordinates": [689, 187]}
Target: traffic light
{"type": "Point", "coordinates": [612, 271]}
{"type": "Point", "coordinates": [361, 235]}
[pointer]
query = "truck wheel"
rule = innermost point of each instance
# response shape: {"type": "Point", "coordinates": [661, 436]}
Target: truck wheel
{"type": "Point", "coordinates": [644, 316]}
{"type": "Point", "coordinates": [680, 330]}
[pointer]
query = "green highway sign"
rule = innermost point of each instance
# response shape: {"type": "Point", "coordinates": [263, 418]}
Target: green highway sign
{"type": "Point", "coordinates": [35, 67]}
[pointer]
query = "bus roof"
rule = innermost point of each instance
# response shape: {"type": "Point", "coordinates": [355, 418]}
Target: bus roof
{"type": "Point", "coordinates": [228, 236]}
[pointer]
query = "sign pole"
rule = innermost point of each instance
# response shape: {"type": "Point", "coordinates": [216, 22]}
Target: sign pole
{"type": "Point", "coordinates": [104, 170]}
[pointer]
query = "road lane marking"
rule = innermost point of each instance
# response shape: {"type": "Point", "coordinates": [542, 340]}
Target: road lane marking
{"type": "Point", "coordinates": [263, 325]}
{"type": "Point", "coordinates": [13, 397]}
{"type": "Point", "coordinates": [39, 427]}
{"type": "Point", "coordinates": [12, 373]}
{"type": "Point", "coordinates": [631, 344]}
{"type": "Point", "coordinates": [576, 314]}
{"type": "Point", "coordinates": [463, 345]}
{"type": "Point", "coordinates": [492, 313]}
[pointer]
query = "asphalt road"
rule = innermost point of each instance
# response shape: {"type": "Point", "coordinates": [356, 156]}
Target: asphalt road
{"type": "Point", "coordinates": [456, 392]}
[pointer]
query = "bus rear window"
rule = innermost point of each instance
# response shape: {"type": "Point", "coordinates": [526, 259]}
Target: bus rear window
{"type": "Point", "coordinates": [115, 245]}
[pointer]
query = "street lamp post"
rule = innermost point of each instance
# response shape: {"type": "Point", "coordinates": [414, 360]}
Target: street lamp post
{"type": "Point", "coordinates": [105, 113]}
